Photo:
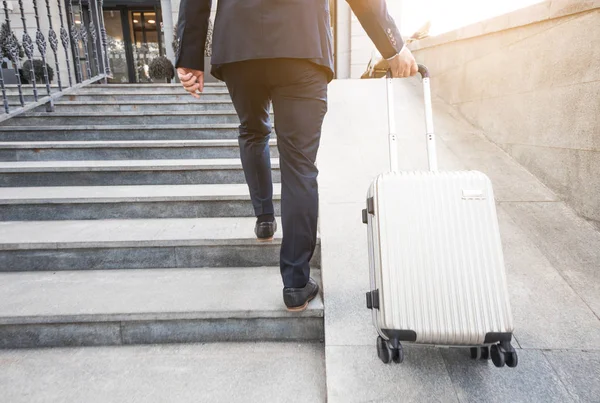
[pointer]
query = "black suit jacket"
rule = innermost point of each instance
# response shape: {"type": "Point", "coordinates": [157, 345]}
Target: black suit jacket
{"type": "Point", "coordinates": [263, 29]}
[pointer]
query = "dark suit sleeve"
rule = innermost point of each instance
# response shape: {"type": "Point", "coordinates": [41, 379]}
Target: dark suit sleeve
{"type": "Point", "coordinates": [192, 28]}
{"type": "Point", "coordinates": [379, 25]}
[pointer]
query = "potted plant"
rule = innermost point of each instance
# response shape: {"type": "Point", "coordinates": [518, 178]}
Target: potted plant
{"type": "Point", "coordinates": [161, 68]}
{"type": "Point", "coordinates": [38, 71]}
{"type": "Point", "coordinates": [208, 78]}
{"type": "Point", "coordinates": [8, 70]}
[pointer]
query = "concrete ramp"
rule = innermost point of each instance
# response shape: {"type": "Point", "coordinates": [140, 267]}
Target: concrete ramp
{"type": "Point", "coordinates": [552, 257]}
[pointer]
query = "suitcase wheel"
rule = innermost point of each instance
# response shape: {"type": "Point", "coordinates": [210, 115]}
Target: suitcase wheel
{"type": "Point", "coordinates": [504, 354]}
{"type": "Point", "coordinates": [512, 359]}
{"type": "Point", "coordinates": [383, 350]}
{"type": "Point", "coordinates": [398, 355]}
{"type": "Point", "coordinates": [387, 353]}
{"type": "Point", "coordinates": [498, 356]}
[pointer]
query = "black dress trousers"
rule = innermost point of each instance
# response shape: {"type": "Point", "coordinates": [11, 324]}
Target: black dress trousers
{"type": "Point", "coordinates": [297, 88]}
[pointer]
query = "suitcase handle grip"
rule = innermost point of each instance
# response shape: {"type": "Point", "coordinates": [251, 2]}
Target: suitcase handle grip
{"type": "Point", "coordinates": [423, 71]}
{"type": "Point", "coordinates": [431, 149]}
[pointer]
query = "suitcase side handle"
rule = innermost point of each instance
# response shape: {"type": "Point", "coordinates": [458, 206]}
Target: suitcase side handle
{"type": "Point", "coordinates": [430, 136]}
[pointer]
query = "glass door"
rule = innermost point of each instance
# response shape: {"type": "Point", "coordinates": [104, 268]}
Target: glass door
{"type": "Point", "coordinates": [146, 41]}
{"type": "Point", "coordinates": [135, 38]}
{"type": "Point", "coordinates": [117, 46]}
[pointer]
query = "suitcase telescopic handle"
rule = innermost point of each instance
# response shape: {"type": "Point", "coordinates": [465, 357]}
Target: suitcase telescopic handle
{"type": "Point", "coordinates": [393, 148]}
{"type": "Point", "coordinates": [423, 71]}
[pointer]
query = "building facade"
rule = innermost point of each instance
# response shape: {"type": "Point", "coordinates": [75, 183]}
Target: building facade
{"type": "Point", "coordinates": [136, 32]}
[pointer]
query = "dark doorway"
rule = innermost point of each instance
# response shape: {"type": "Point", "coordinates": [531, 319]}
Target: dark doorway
{"type": "Point", "coordinates": [135, 37]}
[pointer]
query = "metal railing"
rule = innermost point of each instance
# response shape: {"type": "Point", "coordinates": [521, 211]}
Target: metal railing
{"type": "Point", "coordinates": [78, 32]}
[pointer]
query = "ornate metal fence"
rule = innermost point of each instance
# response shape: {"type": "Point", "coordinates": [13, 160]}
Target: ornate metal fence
{"type": "Point", "coordinates": [27, 79]}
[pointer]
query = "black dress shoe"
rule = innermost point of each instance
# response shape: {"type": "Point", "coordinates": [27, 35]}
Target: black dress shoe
{"type": "Point", "coordinates": [265, 230]}
{"type": "Point", "coordinates": [297, 299]}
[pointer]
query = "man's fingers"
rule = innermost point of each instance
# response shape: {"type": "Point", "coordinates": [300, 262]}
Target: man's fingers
{"type": "Point", "coordinates": [405, 70]}
{"type": "Point", "coordinates": [192, 88]}
{"type": "Point", "coordinates": [401, 70]}
{"type": "Point", "coordinates": [200, 80]}
{"type": "Point", "coordinates": [185, 80]}
{"type": "Point", "coordinates": [189, 81]}
{"type": "Point", "coordinates": [192, 80]}
{"type": "Point", "coordinates": [396, 70]}
{"type": "Point", "coordinates": [186, 77]}
{"type": "Point", "coordinates": [414, 69]}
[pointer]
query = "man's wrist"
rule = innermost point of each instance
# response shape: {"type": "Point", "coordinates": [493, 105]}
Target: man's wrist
{"type": "Point", "coordinates": [400, 51]}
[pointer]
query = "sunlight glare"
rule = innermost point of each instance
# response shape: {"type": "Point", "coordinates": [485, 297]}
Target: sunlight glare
{"type": "Point", "coordinates": [448, 15]}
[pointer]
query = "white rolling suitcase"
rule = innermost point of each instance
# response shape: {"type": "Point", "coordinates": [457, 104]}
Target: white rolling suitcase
{"type": "Point", "coordinates": [435, 256]}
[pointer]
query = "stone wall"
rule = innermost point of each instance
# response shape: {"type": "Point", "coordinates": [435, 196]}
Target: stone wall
{"type": "Point", "coordinates": [530, 80]}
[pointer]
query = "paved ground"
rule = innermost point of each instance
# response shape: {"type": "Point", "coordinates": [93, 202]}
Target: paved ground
{"type": "Point", "coordinates": [552, 258]}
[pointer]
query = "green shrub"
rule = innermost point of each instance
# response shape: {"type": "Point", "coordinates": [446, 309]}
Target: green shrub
{"type": "Point", "coordinates": [161, 68]}
{"type": "Point", "coordinates": [38, 69]}
{"type": "Point", "coordinates": [5, 36]}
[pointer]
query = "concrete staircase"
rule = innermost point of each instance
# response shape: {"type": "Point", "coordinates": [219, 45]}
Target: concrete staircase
{"type": "Point", "coordinates": [125, 220]}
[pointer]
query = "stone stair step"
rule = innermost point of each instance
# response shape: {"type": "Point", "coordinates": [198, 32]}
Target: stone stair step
{"type": "Point", "coordinates": [137, 244]}
{"type": "Point", "coordinates": [13, 98]}
{"type": "Point", "coordinates": [122, 150]}
{"type": "Point", "coordinates": [28, 88]}
{"type": "Point", "coordinates": [119, 132]}
{"type": "Point", "coordinates": [127, 86]}
{"type": "Point", "coordinates": [114, 95]}
{"type": "Point", "coordinates": [125, 172]}
{"type": "Point", "coordinates": [14, 87]}
{"type": "Point", "coordinates": [28, 91]}
{"type": "Point", "coordinates": [168, 89]}
{"type": "Point", "coordinates": [186, 305]}
{"type": "Point", "coordinates": [127, 202]}
{"type": "Point", "coordinates": [142, 105]}
{"type": "Point", "coordinates": [182, 373]}
{"type": "Point", "coordinates": [129, 118]}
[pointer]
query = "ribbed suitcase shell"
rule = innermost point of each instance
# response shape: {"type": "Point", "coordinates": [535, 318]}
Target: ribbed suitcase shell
{"type": "Point", "coordinates": [436, 257]}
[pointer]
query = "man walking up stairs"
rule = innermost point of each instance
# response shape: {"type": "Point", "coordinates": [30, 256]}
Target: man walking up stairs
{"type": "Point", "coordinates": [280, 53]}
